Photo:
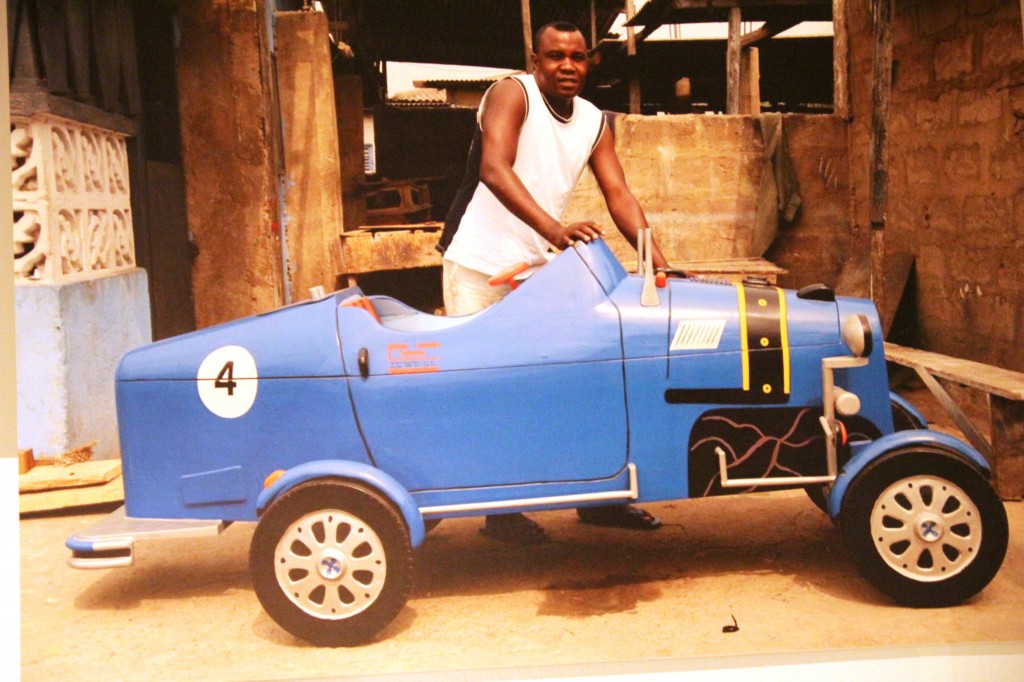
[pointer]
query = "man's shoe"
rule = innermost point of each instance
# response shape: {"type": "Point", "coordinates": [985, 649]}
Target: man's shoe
{"type": "Point", "coordinates": [514, 529]}
{"type": "Point", "coordinates": [619, 516]}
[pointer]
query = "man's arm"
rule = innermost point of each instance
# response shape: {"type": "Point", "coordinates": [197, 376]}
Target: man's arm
{"type": "Point", "coordinates": [622, 205]}
{"type": "Point", "coordinates": [504, 111]}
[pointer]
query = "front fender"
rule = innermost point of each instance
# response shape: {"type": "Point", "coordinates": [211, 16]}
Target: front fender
{"type": "Point", "coordinates": [864, 454]}
{"type": "Point", "coordinates": [355, 471]}
{"type": "Point", "coordinates": [910, 409]}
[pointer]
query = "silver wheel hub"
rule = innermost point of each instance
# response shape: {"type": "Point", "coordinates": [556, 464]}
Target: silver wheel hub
{"type": "Point", "coordinates": [929, 527]}
{"type": "Point", "coordinates": [331, 564]}
{"type": "Point", "coordinates": [926, 528]}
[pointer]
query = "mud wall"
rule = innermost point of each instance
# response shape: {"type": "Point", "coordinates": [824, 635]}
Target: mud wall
{"type": "Point", "coordinates": [698, 177]}
{"type": "Point", "coordinates": [956, 167]}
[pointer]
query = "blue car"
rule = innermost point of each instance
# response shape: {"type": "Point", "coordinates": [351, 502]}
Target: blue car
{"type": "Point", "coordinates": [347, 426]}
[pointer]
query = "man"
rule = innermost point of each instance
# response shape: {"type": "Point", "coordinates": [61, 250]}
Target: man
{"type": "Point", "coordinates": [534, 138]}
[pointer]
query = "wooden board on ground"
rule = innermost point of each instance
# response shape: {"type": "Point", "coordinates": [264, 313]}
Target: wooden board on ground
{"type": "Point", "coordinates": [73, 476]}
{"type": "Point", "coordinates": [69, 498]}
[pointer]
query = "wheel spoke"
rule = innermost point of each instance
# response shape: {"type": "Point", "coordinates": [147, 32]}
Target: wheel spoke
{"type": "Point", "coordinates": [963, 514]}
{"type": "Point", "coordinates": [896, 510]}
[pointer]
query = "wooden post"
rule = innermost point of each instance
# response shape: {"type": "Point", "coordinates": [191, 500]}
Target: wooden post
{"type": "Point", "coordinates": [524, 6]}
{"type": "Point", "coordinates": [840, 61]}
{"type": "Point", "coordinates": [593, 24]}
{"type": "Point", "coordinates": [732, 63]}
{"type": "Point", "coordinates": [750, 81]}
{"type": "Point", "coordinates": [634, 84]}
{"type": "Point", "coordinates": [881, 91]}
{"type": "Point", "coordinates": [1007, 432]}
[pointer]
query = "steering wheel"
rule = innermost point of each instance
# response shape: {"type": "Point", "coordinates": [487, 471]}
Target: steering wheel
{"type": "Point", "coordinates": [507, 275]}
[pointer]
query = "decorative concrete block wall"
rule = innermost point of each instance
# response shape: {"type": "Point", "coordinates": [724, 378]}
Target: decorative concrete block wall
{"type": "Point", "coordinates": [80, 302]}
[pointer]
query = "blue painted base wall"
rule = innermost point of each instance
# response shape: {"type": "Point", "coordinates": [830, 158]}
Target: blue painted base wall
{"type": "Point", "coordinates": [69, 339]}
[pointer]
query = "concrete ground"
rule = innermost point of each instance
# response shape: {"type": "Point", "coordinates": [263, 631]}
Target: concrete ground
{"type": "Point", "coordinates": [615, 599]}
{"type": "Point", "coordinates": [772, 561]}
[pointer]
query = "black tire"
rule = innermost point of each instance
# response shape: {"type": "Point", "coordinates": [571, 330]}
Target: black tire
{"type": "Point", "coordinates": [331, 562]}
{"type": "Point", "coordinates": [924, 526]}
{"type": "Point", "coordinates": [902, 420]}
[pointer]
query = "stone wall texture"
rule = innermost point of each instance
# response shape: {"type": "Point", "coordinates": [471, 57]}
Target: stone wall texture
{"type": "Point", "coordinates": [697, 178]}
{"type": "Point", "coordinates": [956, 168]}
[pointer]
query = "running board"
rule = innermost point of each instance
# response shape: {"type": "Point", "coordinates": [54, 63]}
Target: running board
{"type": "Point", "coordinates": [111, 542]}
{"type": "Point", "coordinates": [631, 494]}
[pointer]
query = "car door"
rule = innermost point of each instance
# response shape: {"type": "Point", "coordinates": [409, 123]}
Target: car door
{"type": "Point", "coordinates": [530, 390]}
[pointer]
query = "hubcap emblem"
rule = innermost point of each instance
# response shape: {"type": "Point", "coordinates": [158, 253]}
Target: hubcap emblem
{"type": "Point", "coordinates": [331, 565]}
{"type": "Point", "coordinates": [929, 527]}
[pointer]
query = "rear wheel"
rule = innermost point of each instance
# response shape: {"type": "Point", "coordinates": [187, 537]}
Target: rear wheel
{"type": "Point", "coordinates": [331, 562]}
{"type": "Point", "coordinates": [925, 527]}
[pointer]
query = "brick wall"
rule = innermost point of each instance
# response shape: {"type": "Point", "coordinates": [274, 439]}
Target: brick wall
{"type": "Point", "coordinates": [697, 178]}
{"type": "Point", "coordinates": [956, 167]}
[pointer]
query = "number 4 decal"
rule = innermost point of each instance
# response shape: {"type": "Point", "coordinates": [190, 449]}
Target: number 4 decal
{"type": "Point", "coordinates": [227, 381]}
{"type": "Point", "coordinates": [226, 377]}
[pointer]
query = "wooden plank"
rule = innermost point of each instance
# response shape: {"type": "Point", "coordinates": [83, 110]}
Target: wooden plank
{"type": "Point", "coordinates": [880, 97]}
{"type": "Point", "coordinates": [107, 54]}
{"type": "Point", "coordinates": [840, 61]}
{"type": "Point", "coordinates": [634, 82]}
{"type": "Point", "coordinates": [73, 476]}
{"type": "Point", "coordinates": [371, 250]}
{"type": "Point", "coordinates": [732, 63]}
{"type": "Point", "coordinates": [80, 35]}
{"type": "Point", "coordinates": [70, 498]}
{"type": "Point", "coordinates": [881, 93]}
{"type": "Point", "coordinates": [750, 82]}
{"type": "Point", "coordinates": [524, 10]}
{"type": "Point", "coordinates": [312, 198]}
{"type": "Point", "coordinates": [996, 381]}
{"type": "Point", "coordinates": [53, 44]}
{"type": "Point", "coordinates": [768, 30]}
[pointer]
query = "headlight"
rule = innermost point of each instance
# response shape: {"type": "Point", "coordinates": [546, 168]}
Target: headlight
{"type": "Point", "coordinates": [857, 335]}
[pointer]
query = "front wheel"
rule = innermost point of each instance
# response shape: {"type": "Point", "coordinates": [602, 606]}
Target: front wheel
{"type": "Point", "coordinates": [924, 527]}
{"type": "Point", "coordinates": [331, 563]}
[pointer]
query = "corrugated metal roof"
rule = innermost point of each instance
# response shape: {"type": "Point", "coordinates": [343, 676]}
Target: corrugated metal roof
{"type": "Point", "coordinates": [422, 97]}
{"type": "Point", "coordinates": [478, 83]}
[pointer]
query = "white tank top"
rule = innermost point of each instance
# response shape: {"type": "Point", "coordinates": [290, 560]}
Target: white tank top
{"type": "Point", "coordinates": [551, 156]}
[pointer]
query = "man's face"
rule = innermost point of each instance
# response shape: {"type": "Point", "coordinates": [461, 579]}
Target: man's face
{"type": "Point", "coordinates": [560, 63]}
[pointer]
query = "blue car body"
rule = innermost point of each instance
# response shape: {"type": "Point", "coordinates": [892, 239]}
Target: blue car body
{"type": "Point", "coordinates": [551, 392]}
{"type": "Point", "coordinates": [343, 425]}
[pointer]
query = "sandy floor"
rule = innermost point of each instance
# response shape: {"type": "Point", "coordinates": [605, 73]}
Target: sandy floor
{"type": "Point", "coordinates": [771, 561]}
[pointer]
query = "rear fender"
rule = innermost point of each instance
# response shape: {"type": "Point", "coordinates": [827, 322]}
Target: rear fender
{"type": "Point", "coordinates": [353, 471]}
{"type": "Point", "coordinates": [864, 454]}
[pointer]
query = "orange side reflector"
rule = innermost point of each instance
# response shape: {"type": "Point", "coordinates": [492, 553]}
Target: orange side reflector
{"type": "Point", "coordinates": [272, 478]}
{"type": "Point", "coordinates": [661, 280]}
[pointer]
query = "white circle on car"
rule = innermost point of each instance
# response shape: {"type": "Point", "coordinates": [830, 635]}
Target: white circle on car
{"type": "Point", "coordinates": [227, 381]}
